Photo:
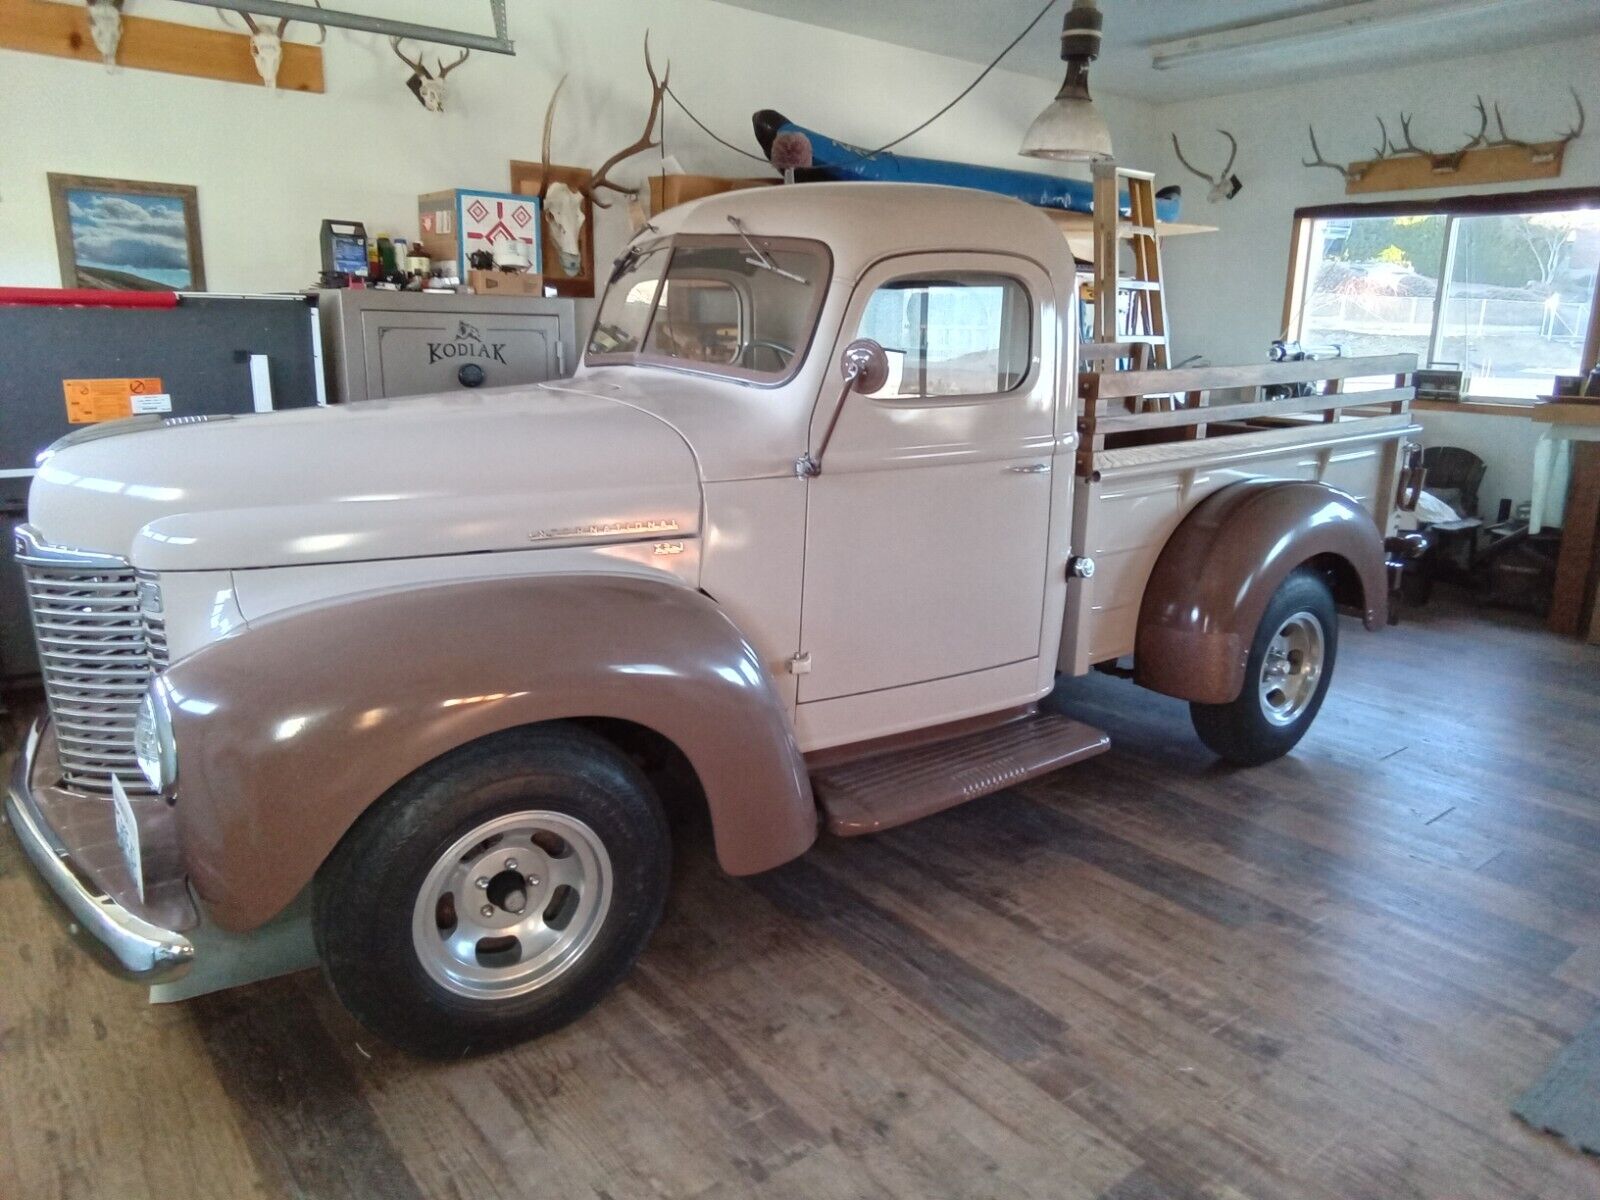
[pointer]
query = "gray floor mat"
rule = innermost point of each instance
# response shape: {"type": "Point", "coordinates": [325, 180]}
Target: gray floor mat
{"type": "Point", "coordinates": [1566, 1100]}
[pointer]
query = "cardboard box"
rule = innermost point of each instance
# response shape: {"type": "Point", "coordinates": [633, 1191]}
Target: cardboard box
{"type": "Point", "coordinates": [668, 191]}
{"type": "Point", "coordinates": [455, 223]}
{"type": "Point", "coordinates": [503, 283]}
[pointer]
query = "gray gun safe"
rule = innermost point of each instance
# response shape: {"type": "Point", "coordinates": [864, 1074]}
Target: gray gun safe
{"type": "Point", "coordinates": [384, 344]}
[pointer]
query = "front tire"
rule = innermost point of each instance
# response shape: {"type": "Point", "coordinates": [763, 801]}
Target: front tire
{"type": "Point", "coordinates": [495, 894]}
{"type": "Point", "coordinates": [1285, 679]}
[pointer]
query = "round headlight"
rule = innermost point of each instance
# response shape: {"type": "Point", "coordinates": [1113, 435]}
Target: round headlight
{"type": "Point", "coordinates": [153, 744]}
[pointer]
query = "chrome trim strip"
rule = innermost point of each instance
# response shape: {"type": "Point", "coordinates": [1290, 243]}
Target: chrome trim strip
{"type": "Point", "coordinates": [35, 551]}
{"type": "Point", "coordinates": [127, 944]}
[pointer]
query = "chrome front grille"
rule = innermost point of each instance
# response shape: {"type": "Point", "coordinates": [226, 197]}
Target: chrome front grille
{"type": "Point", "coordinates": [94, 655]}
{"type": "Point", "coordinates": [154, 621]}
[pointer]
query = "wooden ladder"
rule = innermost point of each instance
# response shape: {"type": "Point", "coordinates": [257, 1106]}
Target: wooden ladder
{"type": "Point", "coordinates": [1147, 299]}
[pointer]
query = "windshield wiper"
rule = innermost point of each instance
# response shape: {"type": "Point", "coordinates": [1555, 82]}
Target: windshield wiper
{"type": "Point", "coordinates": [624, 263]}
{"type": "Point", "coordinates": [760, 259]}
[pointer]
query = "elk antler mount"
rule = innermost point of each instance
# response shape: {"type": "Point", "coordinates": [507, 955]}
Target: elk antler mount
{"type": "Point", "coordinates": [1482, 158]}
{"type": "Point", "coordinates": [568, 195]}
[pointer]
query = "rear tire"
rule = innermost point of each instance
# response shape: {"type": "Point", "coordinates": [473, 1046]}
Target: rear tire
{"type": "Point", "coordinates": [496, 894]}
{"type": "Point", "coordinates": [1285, 678]}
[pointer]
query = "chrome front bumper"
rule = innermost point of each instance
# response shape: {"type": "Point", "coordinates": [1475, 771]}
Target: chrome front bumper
{"type": "Point", "coordinates": [123, 941]}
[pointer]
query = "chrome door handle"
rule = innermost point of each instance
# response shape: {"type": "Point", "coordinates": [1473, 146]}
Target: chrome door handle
{"type": "Point", "coordinates": [1030, 469]}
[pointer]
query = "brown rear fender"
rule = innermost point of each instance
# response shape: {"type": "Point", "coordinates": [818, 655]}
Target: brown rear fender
{"type": "Point", "coordinates": [288, 730]}
{"type": "Point", "coordinates": [1221, 566]}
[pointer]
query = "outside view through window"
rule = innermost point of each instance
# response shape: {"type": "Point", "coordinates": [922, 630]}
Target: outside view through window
{"type": "Point", "coordinates": [1515, 291]}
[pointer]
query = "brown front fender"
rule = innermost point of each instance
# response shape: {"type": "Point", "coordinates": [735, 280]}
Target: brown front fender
{"type": "Point", "coordinates": [1223, 563]}
{"type": "Point", "coordinates": [289, 729]}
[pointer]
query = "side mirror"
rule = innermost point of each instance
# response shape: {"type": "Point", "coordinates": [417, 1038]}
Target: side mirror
{"type": "Point", "coordinates": [865, 368]}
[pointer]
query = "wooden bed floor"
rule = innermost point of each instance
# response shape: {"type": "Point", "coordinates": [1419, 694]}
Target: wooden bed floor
{"type": "Point", "coordinates": [1144, 978]}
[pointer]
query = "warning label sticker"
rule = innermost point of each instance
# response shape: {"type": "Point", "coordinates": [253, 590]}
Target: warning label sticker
{"type": "Point", "coordinates": [91, 400]}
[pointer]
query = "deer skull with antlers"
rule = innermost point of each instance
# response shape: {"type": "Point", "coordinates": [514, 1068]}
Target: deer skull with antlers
{"type": "Point", "coordinates": [105, 27]}
{"type": "Point", "coordinates": [1226, 185]}
{"type": "Point", "coordinates": [266, 44]}
{"type": "Point", "coordinates": [425, 85]}
{"type": "Point", "coordinates": [566, 207]}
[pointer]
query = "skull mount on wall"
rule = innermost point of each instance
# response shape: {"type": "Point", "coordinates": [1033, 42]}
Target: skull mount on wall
{"type": "Point", "coordinates": [105, 27]}
{"type": "Point", "coordinates": [564, 214]}
{"type": "Point", "coordinates": [425, 85]}
{"type": "Point", "coordinates": [566, 207]}
{"type": "Point", "coordinates": [266, 44]}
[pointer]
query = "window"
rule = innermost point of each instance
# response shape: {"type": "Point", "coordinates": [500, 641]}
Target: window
{"type": "Point", "coordinates": [745, 308]}
{"type": "Point", "coordinates": [625, 312]}
{"type": "Point", "coordinates": [1518, 299]}
{"type": "Point", "coordinates": [963, 334]}
{"type": "Point", "coordinates": [1504, 288]}
{"type": "Point", "coordinates": [698, 319]}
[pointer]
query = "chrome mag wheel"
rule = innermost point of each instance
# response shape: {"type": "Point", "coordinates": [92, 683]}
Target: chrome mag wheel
{"type": "Point", "coordinates": [512, 904]}
{"type": "Point", "coordinates": [1291, 668]}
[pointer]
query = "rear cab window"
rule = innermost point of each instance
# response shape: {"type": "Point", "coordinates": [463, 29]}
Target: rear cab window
{"type": "Point", "coordinates": [739, 306]}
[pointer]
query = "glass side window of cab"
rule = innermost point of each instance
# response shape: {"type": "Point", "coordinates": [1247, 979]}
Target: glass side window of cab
{"type": "Point", "coordinates": [731, 306]}
{"type": "Point", "coordinates": [956, 334]}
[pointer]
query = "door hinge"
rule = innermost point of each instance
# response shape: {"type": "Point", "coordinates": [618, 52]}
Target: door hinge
{"type": "Point", "coordinates": [800, 664]}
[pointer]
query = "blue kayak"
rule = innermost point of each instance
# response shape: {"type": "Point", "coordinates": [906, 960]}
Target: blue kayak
{"type": "Point", "coordinates": [831, 160]}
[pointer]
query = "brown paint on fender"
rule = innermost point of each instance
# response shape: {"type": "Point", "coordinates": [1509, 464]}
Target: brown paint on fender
{"type": "Point", "coordinates": [1220, 568]}
{"type": "Point", "coordinates": [290, 729]}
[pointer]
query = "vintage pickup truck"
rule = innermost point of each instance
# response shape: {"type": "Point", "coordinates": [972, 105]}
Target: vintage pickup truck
{"type": "Point", "coordinates": [831, 502]}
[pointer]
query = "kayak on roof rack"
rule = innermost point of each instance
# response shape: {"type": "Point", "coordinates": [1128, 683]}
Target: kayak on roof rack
{"type": "Point", "coordinates": [834, 160]}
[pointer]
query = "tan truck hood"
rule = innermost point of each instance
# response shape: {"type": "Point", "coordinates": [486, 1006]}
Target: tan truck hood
{"type": "Point", "coordinates": [500, 469]}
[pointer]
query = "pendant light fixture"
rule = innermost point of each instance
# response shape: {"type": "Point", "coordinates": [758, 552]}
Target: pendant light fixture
{"type": "Point", "coordinates": [1071, 129]}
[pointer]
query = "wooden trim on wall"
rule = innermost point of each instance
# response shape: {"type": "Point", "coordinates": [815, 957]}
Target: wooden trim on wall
{"type": "Point", "coordinates": [62, 30]}
{"type": "Point", "coordinates": [1481, 408]}
{"type": "Point", "coordinates": [1540, 200]}
{"type": "Point", "coordinates": [1591, 340]}
{"type": "Point", "coordinates": [1294, 290]}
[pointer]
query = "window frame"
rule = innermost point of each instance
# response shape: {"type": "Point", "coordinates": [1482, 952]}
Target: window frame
{"type": "Point", "coordinates": [741, 299]}
{"type": "Point", "coordinates": [1451, 208]}
{"type": "Point", "coordinates": [934, 275]}
{"type": "Point", "coordinates": [741, 375]}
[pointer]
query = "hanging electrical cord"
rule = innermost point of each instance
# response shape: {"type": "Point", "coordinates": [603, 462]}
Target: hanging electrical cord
{"type": "Point", "coordinates": [982, 75]}
{"type": "Point", "coordinates": [965, 92]}
{"type": "Point", "coordinates": [707, 131]}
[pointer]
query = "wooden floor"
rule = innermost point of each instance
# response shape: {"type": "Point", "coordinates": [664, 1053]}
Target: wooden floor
{"type": "Point", "coordinates": [1144, 978]}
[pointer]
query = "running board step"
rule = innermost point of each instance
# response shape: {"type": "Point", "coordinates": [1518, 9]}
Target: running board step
{"type": "Point", "coordinates": [889, 789]}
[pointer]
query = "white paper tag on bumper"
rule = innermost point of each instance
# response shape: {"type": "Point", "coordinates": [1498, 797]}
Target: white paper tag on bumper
{"type": "Point", "coordinates": [128, 834]}
{"type": "Point", "coordinates": [153, 402]}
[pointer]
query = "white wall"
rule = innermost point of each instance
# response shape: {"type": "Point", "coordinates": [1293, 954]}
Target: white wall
{"type": "Point", "coordinates": [270, 168]}
{"type": "Point", "coordinates": [1226, 289]}
{"type": "Point", "coordinates": [1232, 317]}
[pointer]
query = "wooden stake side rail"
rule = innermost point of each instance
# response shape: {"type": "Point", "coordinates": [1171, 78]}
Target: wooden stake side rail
{"type": "Point", "coordinates": [1098, 384]}
{"type": "Point", "coordinates": [1140, 405]}
{"type": "Point", "coordinates": [1128, 422]}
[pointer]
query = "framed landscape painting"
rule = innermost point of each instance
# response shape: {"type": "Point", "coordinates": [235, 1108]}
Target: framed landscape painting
{"type": "Point", "coordinates": [121, 234]}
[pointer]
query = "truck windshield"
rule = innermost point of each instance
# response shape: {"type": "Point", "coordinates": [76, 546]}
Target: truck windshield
{"type": "Point", "coordinates": [740, 306]}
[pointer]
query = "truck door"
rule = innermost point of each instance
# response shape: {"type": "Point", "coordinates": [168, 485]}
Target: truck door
{"type": "Point", "coordinates": [927, 529]}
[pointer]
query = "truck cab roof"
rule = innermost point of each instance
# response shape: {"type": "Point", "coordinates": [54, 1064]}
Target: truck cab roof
{"type": "Point", "coordinates": [863, 223]}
